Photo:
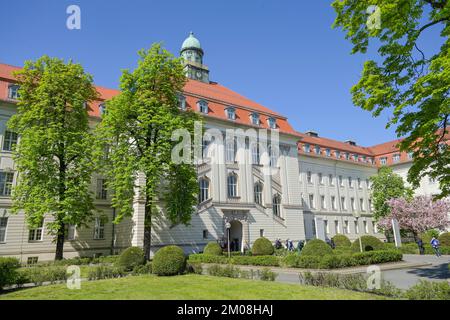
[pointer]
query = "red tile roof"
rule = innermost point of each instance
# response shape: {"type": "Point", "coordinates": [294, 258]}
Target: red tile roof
{"type": "Point", "coordinates": [218, 97]}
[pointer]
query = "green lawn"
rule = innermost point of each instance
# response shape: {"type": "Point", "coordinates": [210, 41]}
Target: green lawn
{"type": "Point", "coordinates": [186, 287]}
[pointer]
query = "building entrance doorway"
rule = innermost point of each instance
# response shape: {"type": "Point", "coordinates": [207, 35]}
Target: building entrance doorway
{"type": "Point", "coordinates": [236, 236]}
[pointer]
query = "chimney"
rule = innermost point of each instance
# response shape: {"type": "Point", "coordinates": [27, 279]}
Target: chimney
{"type": "Point", "coordinates": [351, 142]}
{"type": "Point", "coordinates": [312, 134]}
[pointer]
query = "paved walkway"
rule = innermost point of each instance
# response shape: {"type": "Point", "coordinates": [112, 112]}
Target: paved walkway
{"type": "Point", "coordinates": [402, 274]}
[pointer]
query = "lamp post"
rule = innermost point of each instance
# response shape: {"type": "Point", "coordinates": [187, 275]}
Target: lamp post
{"type": "Point", "coordinates": [228, 226]}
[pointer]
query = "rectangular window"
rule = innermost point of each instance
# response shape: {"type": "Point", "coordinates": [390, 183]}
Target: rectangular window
{"type": "Point", "coordinates": [32, 260]}
{"type": "Point", "coordinates": [345, 228]}
{"type": "Point", "coordinates": [333, 202]}
{"type": "Point", "coordinates": [36, 234]}
{"type": "Point", "coordinates": [343, 203]}
{"type": "Point", "coordinates": [311, 201]}
{"type": "Point", "coordinates": [383, 161]}
{"type": "Point", "coordinates": [13, 91]}
{"type": "Point", "coordinates": [341, 181]}
{"type": "Point", "coordinates": [317, 149]}
{"type": "Point", "coordinates": [272, 123]}
{"type": "Point", "coordinates": [321, 178]}
{"type": "Point", "coordinates": [361, 204]}
{"type": "Point", "coordinates": [255, 153]}
{"type": "Point", "coordinates": [3, 226]}
{"type": "Point", "coordinates": [347, 156]}
{"type": "Point", "coordinates": [230, 151]}
{"type": "Point", "coordinates": [356, 227]}
{"type": "Point", "coordinates": [323, 203]}
{"type": "Point", "coordinates": [99, 228]}
{"type": "Point", "coordinates": [396, 158]}
{"type": "Point", "coordinates": [231, 114]}
{"type": "Point", "coordinates": [181, 102]}
{"type": "Point", "coordinates": [203, 106]}
{"type": "Point", "coordinates": [330, 180]}
{"type": "Point", "coordinates": [9, 140]}
{"type": "Point", "coordinates": [338, 154]}
{"type": "Point", "coordinates": [261, 232]}
{"type": "Point", "coordinates": [255, 119]}
{"type": "Point", "coordinates": [205, 234]}
{"type": "Point", "coordinates": [6, 182]}
{"type": "Point", "coordinates": [328, 152]}
{"type": "Point", "coordinates": [309, 177]}
{"type": "Point", "coordinates": [350, 182]}
{"type": "Point", "coordinates": [337, 226]}
{"type": "Point", "coordinates": [370, 205]}
{"type": "Point", "coordinates": [327, 227]}
{"type": "Point", "coordinates": [359, 184]}
{"type": "Point", "coordinates": [102, 193]}
{"type": "Point", "coordinates": [353, 204]}
{"type": "Point", "coordinates": [366, 227]}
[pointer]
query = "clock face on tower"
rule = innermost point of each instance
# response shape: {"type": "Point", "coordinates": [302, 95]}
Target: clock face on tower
{"type": "Point", "coordinates": [198, 74]}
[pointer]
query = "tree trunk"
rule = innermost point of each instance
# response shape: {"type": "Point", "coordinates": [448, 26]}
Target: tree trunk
{"type": "Point", "coordinates": [60, 242]}
{"type": "Point", "coordinates": [147, 229]}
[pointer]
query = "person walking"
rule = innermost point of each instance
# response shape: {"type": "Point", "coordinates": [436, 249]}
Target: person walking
{"type": "Point", "coordinates": [300, 246]}
{"type": "Point", "coordinates": [435, 245]}
{"type": "Point", "coordinates": [421, 247]}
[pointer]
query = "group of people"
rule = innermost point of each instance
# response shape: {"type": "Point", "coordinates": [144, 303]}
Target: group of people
{"type": "Point", "coordinates": [289, 245]}
{"type": "Point", "coordinates": [435, 244]}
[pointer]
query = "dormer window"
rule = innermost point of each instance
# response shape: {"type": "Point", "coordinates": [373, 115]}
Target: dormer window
{"type": "Point", "coordinates": [181, 102]}
{"type": "Point", "coordinates": [13, 91]}
{"type": "Point", "coordinates": [317, 149]}
{"type": "Point", "coordinates": [255, 119]}
{"type": "Point", "coordinates": [347, 156]}
{"type": "Point", "coordinates": [272, 122]}
{"type": "Point", "coordinates": [383, 161]}
{"type": "Point", "coordinates": [202, 106]}
{"type": "Point", "coordinates": [396, 157]}
{"type": "Point", "coordinates": [355, 157]}
{"type": "Point", "coordinates": [328, 152]}
{"type": "Point", "coordinates": [102, 108]}
{"type": "Point", "coordinates": [338, 154]}
{"type": "Point", "coordinates": [230, 113]}
{"type": "Point", "coordinates": [307, 148]}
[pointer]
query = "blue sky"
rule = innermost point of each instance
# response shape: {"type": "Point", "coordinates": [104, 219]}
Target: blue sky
{"type": "Point", "coordinates": [282, 54]}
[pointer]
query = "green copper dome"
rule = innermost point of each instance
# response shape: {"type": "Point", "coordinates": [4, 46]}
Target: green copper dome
{"type": "Point", "coordinates": [191, 42]}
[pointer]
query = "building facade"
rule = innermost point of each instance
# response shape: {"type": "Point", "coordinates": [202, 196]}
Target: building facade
{"type": "Point", "coordinates": [264, 179]}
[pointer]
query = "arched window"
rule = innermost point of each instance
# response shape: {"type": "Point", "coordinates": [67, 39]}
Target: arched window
{"type": "Point", "coordinates": [258, 189]}
{"type": "Point", "coordinates": [276, 205]}
{"type": "Point", "coordinates": [232, 185]}
{"type": "Point", "coordinates": [272, 122]}
{"type": "Point", "coordinates": [204, 190]}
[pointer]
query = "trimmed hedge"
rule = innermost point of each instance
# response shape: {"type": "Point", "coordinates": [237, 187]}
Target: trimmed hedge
{"type": "Point", "coordinates": [207, 258]}
{"type": "Point", "coordinates": [341, 240]}
{"type": "Point", "coordinates": [262, 247]}
{"type": "Point", "coordinates": [444, 250]}
{"type": "Point", "coordinates": [316, 247]}
{"type": "Point", "coordinates": [130, 258]}
{"type": "Point", "coordinates": [38, 275]}
{"type": "Point", "coordinates": [342, 261]}
{"type": "Point", "coordinates": [256, 260]}
{"type": "Point", "coordinates": [444, 239]}
{"type": "Point", "coordinates": [169, 261]}
{"type": "Point", "coordinates": [369, 243]}
{"type": "Point", "coordinates": [8, 271]}
{"type": "Point", "coordinates": [213, 248]}
{"type": "Point", "coordinates": [106, 272]}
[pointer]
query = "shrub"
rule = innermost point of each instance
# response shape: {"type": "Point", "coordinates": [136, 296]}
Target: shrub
{"type": "Point", "coordinates": [256, 260]}
{"type": "Point", "coordinates": [194, 267]}
{"type": "Point", "coordinates": [262, 247]}
{"type": "Point", "coordinates": [444, 250]}
{"type": "Point", "coordinates": [369, 243]}
{"type": "Point", "coordinates": [228, 271]}
{"type": "Point", "coordinates": [427, 290]}
{"type": "Point", "coordinates": [8, 271]}
{"type": "Point", "coordinates": [213, 248]}
{"type": "Point", "coordinates": [343, 250]}
{"type": "Point", "coordinates": [39, 275]}
{"type": "Point", "coordinates": [281, 252]}
{"type": "Point", "coordinates": [444, 239]}
{"type": "Point", "coordinates": [131, 258]}
{"type": "Point", "coordinates": [206, 258]}
{"type": "Point", "coordinates": [106, 272]}
{"type": "Point", "coordinates": [142, 269]}
{"type": "Point", "coordinates": [341, 240]}
{"type": "Point", "coordinates": [268, 275]}
{"type": "Point", "coordinates": [316, 247]}
{"type": "Point", "coordinates": [169, 261]}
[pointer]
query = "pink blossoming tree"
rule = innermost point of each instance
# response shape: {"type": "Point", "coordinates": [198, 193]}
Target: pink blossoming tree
{"type": "Point", "coordinates": [417, 215]}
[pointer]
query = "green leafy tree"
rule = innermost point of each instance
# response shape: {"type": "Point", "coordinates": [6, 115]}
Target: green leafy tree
{"type": "Point", "coordinates": [386, 185]}
{"type": "Point", "coordinates": [54, 157]}
{"type": "Point", "coordinates": [412, 81]}
{"type": "Point", "coordinates": [137, 127]}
